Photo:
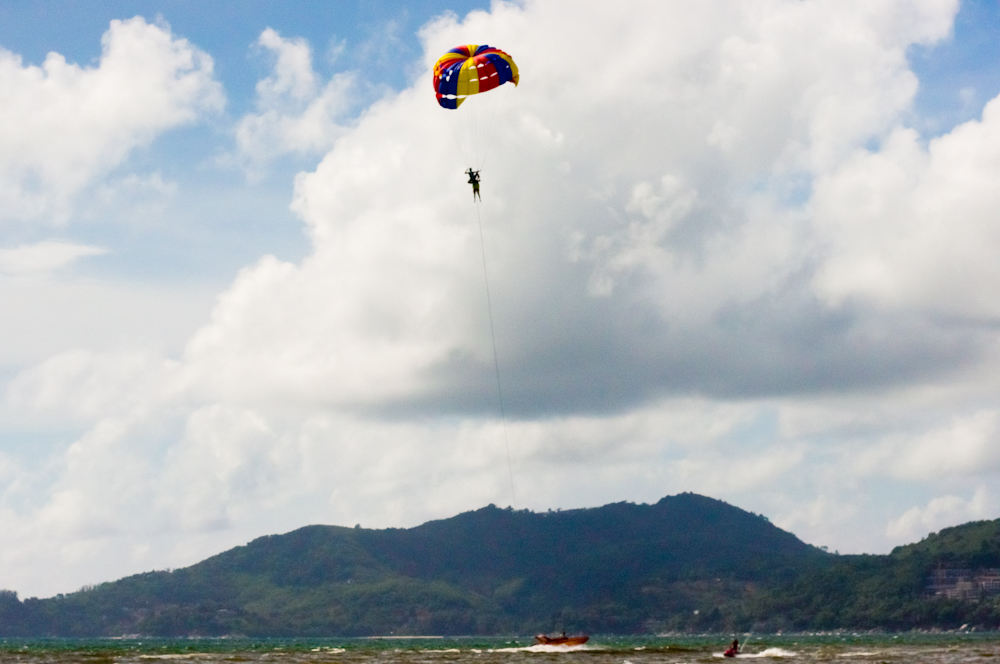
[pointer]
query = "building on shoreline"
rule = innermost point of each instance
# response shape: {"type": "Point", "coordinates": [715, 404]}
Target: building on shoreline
{"type": "Point", "coordinates": [958, 583]}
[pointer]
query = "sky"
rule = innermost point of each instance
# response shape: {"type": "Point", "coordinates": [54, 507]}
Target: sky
{"type": "Point", "coordinates": [744, 248]}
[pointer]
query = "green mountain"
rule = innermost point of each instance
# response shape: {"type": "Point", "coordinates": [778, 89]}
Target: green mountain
{"type": "Point", "coordinates": [617, 568]}
{"type": "Point", "coordinates": [687, 563]}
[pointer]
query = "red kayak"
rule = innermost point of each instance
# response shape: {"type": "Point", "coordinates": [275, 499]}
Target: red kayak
{"type": "Point", "coordinates": [732, 652]}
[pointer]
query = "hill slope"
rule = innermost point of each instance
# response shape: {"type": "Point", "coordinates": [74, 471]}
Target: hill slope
{"type": "Point", "coordinates": [618, 568]}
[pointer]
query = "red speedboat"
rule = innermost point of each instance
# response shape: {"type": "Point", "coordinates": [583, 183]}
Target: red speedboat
{"type": "Point", "coordinates": [562, 640]}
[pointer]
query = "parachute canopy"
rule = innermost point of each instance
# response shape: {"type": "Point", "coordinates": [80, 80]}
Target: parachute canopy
{"type": "Point", "coordinates": [471, 69]}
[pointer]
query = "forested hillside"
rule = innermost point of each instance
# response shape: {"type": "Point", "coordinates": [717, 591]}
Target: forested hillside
{"type": "Point", "coordinates": [893, 592]}
{"type": "Point", "coordinates": [686, 563]}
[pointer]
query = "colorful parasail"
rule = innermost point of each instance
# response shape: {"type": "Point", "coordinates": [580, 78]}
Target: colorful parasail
{"type": "Point", "coordinates": [471, 69]}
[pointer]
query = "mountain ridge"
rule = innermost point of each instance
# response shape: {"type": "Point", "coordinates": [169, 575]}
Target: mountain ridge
{"type": "Point", "coordinates": [684, 563]}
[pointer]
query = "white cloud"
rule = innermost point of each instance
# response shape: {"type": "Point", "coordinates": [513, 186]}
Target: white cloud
{"type": "Point", "coordinates": [44, 256]}
{"type": "Point", "coordinates": [48, 314]}
{"type": "Point", "coordinates": [153, 183]}
{"type": "Point", "coordinates": [89, 386]}
{"type": "Point", "coordinates": [941, 512]}
{"type": "Point", "coordinates": [63, 126]}
{"type": "Point", "coordinates": [663, 206]}
{"type": "Point", "coordinates": [912, 226]}
{"type": "Point", "coordinates": [295, 113]}
{"type": "Point", "coordinates": [817, 518]}
{"type": "Point", "coordinates": [968, 446]}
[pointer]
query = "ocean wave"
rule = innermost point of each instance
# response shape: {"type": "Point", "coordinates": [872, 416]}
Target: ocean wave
{"type": "Point", "coordinates": [769, 652]}
{"type": "Point", "coordinates": [545, 648]}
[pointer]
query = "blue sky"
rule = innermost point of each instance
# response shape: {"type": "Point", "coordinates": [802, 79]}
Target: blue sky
{"type": "Point", "coordinates": [377, 36]}
{"type": "Point", "coordinates": [967, 61]}
{"type": "Point", "coordinates": [746, 251]}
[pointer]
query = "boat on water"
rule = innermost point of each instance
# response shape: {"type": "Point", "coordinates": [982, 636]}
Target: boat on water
{"type": "Point", "coordinates": [562, 640]}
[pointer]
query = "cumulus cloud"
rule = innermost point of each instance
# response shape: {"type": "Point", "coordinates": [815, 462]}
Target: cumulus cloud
{"type": "Point", "coordinates": [708, 262]}
{"type": "Point", "coordinates": [295, 113]}
{"type": "Point", "coordinates": [62, 126]}
{"type": "Point", "coordinates": [710, 255]}
{"type": "Point", "coordinates": [911, 226]}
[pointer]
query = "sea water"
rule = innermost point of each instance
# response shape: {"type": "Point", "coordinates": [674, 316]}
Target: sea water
{"type": "Point", "coordinates": [835, 648]}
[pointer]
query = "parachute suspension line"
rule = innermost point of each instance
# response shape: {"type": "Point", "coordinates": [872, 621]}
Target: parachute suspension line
{"type": "Point", "coordinates": [461, 136]}
{"type": "Point", "coordinates": [490, 111]}
{"type": "Point", "coordinates": [474, 138]}
{"type": "Point", "coordinates": [496, 361]}
{"type": "Point", "coordinates": [477, 138]}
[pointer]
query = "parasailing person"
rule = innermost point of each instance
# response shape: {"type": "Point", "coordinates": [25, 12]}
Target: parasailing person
{"type": "Point", "coordinates": [470, 70]}
{"type": "Point", "coordinates": [474, 181]}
